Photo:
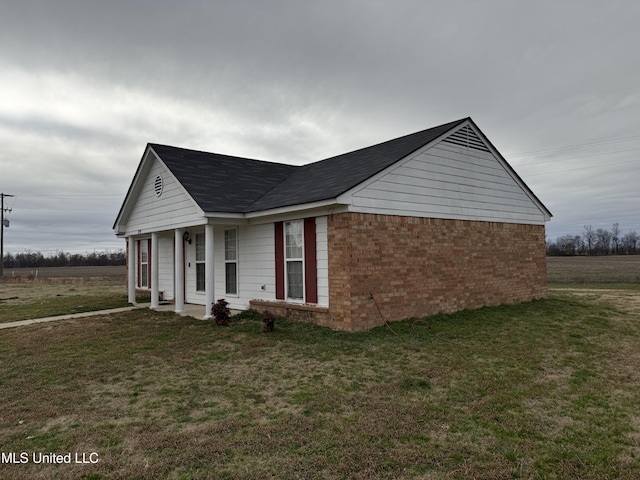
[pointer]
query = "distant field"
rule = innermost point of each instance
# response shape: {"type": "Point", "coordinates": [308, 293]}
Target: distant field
{"type": "Point", "coordinates": [620, 269]}
{"type": "Point", "coordinates": [42, 292]}
{"type": "Point", "coordinates": [60, 272]}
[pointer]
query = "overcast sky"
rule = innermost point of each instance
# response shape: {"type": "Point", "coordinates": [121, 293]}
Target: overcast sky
{"type": "Point", "coordinates": [555, 85]}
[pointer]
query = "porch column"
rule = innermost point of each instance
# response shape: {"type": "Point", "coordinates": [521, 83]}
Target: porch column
{"type": "Point", "coordinates": [155, 277]}
{"type": "Point", "coordinates": [131, 269]}
{"type": "Point", "coordinates": [178, 270]}
{"type": "Point", "coordinates": [208, 270]}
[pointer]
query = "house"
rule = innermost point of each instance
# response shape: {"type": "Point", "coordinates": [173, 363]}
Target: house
{"type": "Point", "coordinates": [436, 221]}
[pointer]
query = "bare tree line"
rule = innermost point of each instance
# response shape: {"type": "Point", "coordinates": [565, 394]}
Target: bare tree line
{"type": "Point", "coordinates": [63, 259]}
{"type": "Point", "coordinates": [598, 241]}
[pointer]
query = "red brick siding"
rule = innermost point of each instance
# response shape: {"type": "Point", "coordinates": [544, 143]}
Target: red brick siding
{"type": "Point", "coordinates": [420, 266]}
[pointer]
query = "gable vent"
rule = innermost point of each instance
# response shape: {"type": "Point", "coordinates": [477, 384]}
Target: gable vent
{"type": "Point", "coordinates": [158, 186]}
{"type": "Point", "coordinates": [466, 137]}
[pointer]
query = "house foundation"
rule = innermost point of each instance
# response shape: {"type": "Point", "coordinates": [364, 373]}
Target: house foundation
{"type": "Point", "coordinates": [297, 312]}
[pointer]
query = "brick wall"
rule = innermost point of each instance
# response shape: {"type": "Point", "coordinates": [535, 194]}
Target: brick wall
{"type": "Point", "coordinates": [297, 312]}
{"type": "Point", "coordinates": [421, 266]}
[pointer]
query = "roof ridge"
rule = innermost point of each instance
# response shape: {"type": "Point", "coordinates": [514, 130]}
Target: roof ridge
{"type": "Point", "coordinates": [454, 123]}
{"type": "Point", "coordinates": [217, 154]}
{"type": "Point", "coordinates": [357, 163]}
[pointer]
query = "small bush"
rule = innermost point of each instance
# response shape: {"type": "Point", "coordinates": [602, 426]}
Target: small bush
{"type": "Point", "coordinates": [268, 322]}
{"type": "Point", "coordinates": [221, 312]}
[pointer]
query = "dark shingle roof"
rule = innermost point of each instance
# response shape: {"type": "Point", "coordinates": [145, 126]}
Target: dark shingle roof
{"type": "Point", "coordinates": [221, 183]}
{"type": "Point", "coordinates": [332, 177]}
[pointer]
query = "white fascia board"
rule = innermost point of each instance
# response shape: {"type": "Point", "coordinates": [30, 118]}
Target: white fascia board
{"type": "Point", "coordinates": [313, 209]}
{"type": "Point", "coordinates": [132, 192]}
{"type": "Point", "coordinates": [511, 171]}
{"type": "Point", "coordinates": [225, 218]}
{"type": "Point", "coordinates": [149, 231]}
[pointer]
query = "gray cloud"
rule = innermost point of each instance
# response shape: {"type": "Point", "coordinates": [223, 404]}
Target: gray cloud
{"type": "Point", "coordinates": [87, 84]}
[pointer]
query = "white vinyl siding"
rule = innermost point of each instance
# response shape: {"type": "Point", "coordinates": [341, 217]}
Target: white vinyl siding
{"type": "Point", "coordinates": [172, 208]}
{"type": "Point", "coordinates": [256, 250]}
{"type": "Point", "coordinates": [255, 266]}
{"type": "Point", "coordinates": [166, 265]}
{"type": "Point", "coordinates": [449, 181]}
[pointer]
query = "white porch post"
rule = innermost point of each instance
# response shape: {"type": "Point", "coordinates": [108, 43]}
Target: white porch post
{"type": "Point", "coordinates": [155, 277]}
{"type": "Point", "coordinates": [178, 270]}
{"type": "Point", "coordinates": [208, 270]}
{"type": "Point", "coordinates": [131, 269]}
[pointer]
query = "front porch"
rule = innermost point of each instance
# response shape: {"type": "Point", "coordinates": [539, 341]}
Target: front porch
{"type": "Point", "coordinates": [145, 267]}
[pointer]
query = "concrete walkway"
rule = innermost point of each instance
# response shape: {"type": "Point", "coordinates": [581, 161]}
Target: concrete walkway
{"type": "Point", "coordinates": [196, 311]}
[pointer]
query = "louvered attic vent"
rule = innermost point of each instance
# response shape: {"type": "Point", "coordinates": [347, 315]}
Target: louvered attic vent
{"type": "Point", "coordinates": [466, 137]}
{"type": "Point", "coordinates": [158, 186]}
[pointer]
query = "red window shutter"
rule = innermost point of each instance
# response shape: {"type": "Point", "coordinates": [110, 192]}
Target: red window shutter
{"type": "Point", "coordinates": [279, 233]}
{"type": "Point", "coordinates": [139, 263]}
{"type": "Point", "coordinates": [310, 264]}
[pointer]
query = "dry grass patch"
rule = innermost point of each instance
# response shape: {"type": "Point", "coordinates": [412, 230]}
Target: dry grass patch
{"type": "Point", "coordinates": [545, 389]}
{"type": "Point", "coordinates": [623, 271]}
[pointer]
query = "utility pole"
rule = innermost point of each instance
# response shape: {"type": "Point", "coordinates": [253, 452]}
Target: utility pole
{"type": "Point", "coordinates": [2, 225]}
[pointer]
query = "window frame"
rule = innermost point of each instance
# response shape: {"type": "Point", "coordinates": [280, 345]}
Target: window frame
{"type": "Point", "coordinates": [144, 267]}
{"type": "Point", "coordinates": [200, 262]}
{"type": "Point", "coordinates": [291, 259]}
{"type": "Point", "coordinates": [228, 261]}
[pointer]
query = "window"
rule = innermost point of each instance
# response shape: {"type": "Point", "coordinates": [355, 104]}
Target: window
{"type": "Point", "coordinates": [294, 268]}
{"type": "Point", "coordinates": [231, 261]}
{"type": "Point", "coordinates": [200, 265]}
{"type": "Point", "coordinates": [143, 273]}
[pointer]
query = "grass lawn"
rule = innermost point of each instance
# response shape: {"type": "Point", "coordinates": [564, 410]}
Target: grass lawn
{"type": "Point", "coordinates": [546, 389]}
{"type": "Point", "coordinates": [22, 301]}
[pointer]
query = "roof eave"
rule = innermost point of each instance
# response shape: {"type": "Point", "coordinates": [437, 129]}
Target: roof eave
{"type": "Point", "coordinates": [302, 207]}
{"type": "Point", "coordinates": [127, 197]}
{"type": "Point", "coordinates": [543, 209]}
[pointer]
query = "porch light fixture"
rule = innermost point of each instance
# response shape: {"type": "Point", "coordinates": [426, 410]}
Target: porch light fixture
{"type": "Point", "coordinates": [187, 237]}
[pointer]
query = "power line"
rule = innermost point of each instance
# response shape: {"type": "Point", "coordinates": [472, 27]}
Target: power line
{"type": "Point", "coordinates": [580, 156]}
{"type": "Point", "coordinates": [582, 168]}
{"type": "Point", "coordinates": [579, 145]}
{"type": "Point", "coordinates": [72, 195]}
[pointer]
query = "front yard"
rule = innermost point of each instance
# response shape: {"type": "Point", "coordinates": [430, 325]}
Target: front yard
{"type": "Point", "coordinates": [546, 389]}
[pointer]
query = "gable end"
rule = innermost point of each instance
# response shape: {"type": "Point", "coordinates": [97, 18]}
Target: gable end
{"type": "Point", "coordinates": [458, 176]}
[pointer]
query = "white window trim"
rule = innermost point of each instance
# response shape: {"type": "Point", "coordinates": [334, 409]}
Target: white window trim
{"type": "Point", "coordinates": [287, 260]}
{"type": "Point", "coordinates": [144, 266]}
{"type": "Point", "coordinates": [199, 262]}
{"type": "Point", "coordinates": [236, 262]}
